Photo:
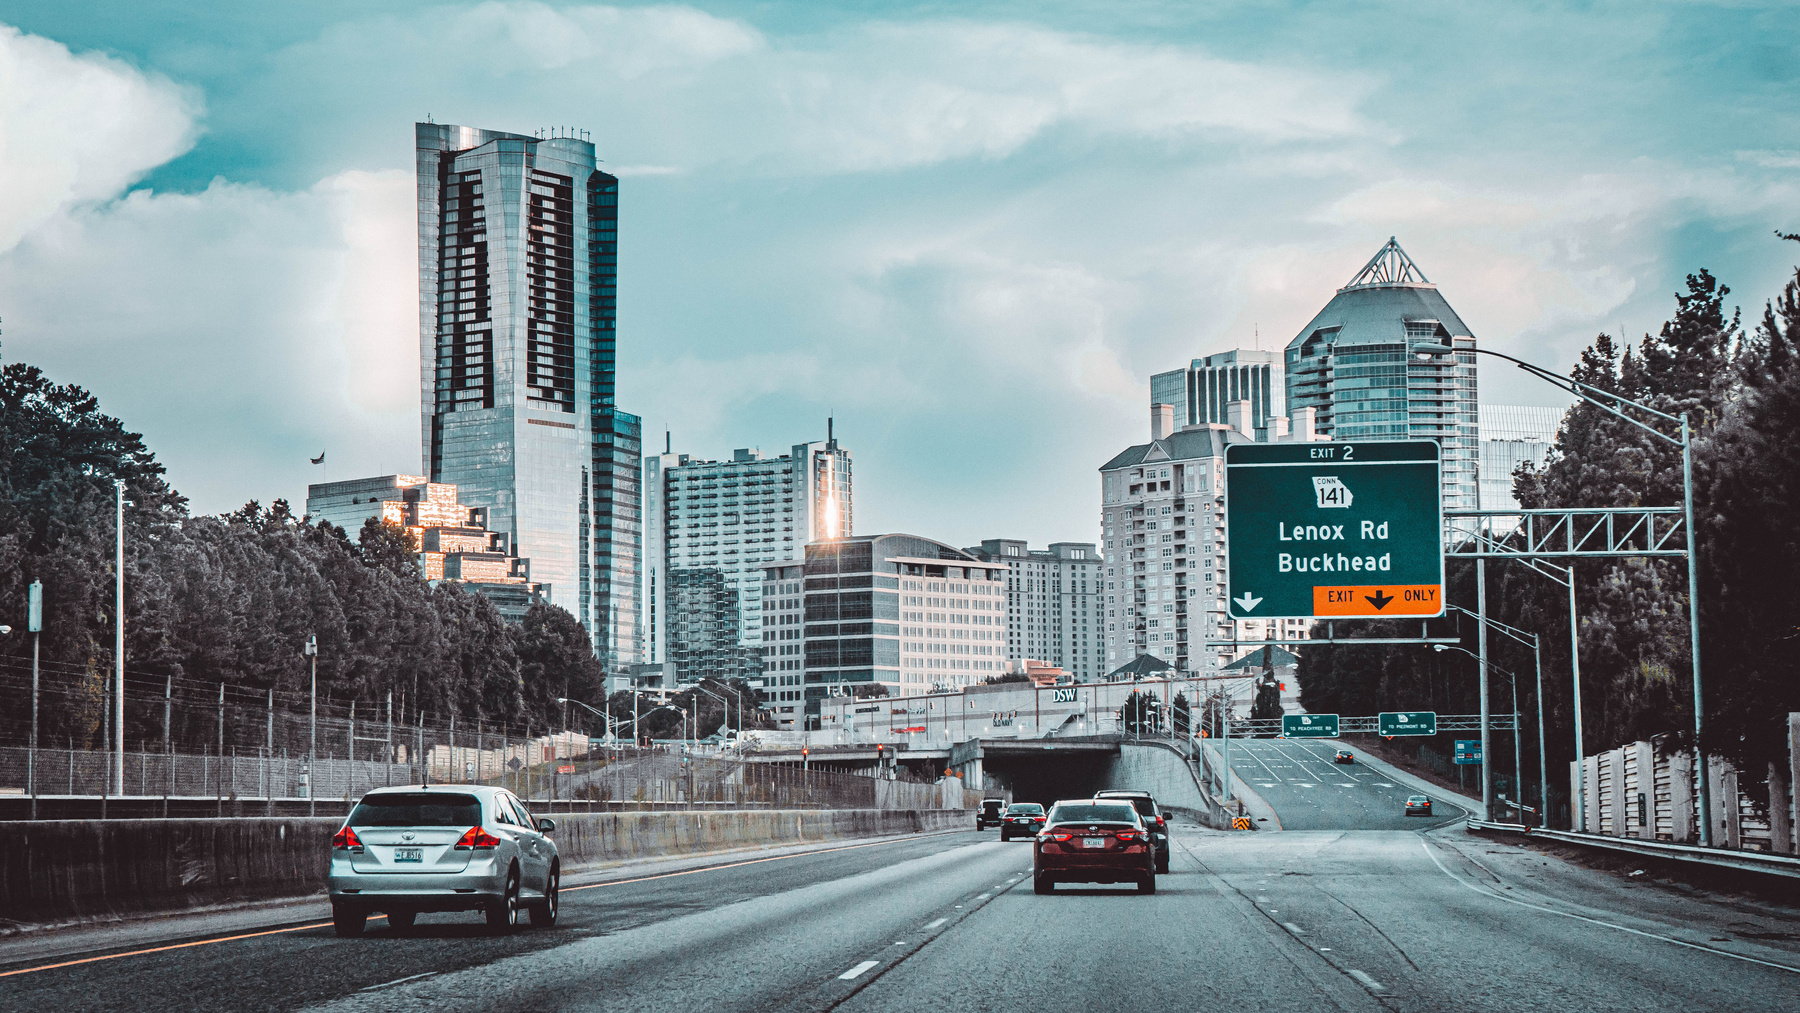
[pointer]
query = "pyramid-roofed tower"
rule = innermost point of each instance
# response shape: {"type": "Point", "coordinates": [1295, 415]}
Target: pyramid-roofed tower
{"type": "Point", "coordinates": [1388, 359]}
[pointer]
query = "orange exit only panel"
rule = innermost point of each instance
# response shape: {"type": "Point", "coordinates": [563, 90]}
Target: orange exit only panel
{"type": "Point", "coordinates": [1379, 600]}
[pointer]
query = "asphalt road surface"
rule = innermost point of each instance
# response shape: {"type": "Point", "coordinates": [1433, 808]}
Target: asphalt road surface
{"type": "Point", "coordinates": [1361, 920]}
{"type": "Point", "coordinates": [1309, 792]}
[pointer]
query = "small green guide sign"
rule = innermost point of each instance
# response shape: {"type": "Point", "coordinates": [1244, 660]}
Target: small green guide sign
{"type": "Point", "coordinates": [1333, 530]}
{"type": "Point", "coordinates": [1314, 726]}
{"type": "Point", "coordinates": [1391, 723]}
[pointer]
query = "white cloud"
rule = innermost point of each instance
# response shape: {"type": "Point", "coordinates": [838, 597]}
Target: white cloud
{"type": "Point", "coordinates": [238, 328]}
{"type": "Point", "coordinates": [78, 129]}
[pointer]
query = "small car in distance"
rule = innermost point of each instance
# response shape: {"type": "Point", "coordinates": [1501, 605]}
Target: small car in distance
{"type": "Point", "coordinates": [990, 813]}
{"type": "Point", "coordinates": [1156, 821]}
{"type": "Point", "coordinates": [1344, 756]}
{"type": "Point", "coordinates": [1021, 819]}
{"type": "Point", "coordinates": [1093, 841]}
{"type": "Point", "coordinates": [1418, 805]}
{"type": "Point", "coordinates": [443, 847]}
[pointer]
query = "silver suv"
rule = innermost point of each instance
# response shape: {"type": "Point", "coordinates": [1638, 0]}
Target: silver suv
{"type": "Point", "coordinates": [445, 847]}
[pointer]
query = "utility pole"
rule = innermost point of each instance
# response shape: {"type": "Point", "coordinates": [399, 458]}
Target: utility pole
{"type": "Point", "coordinates": [1487, 783]}
{"type": "Point", "coordinates": [311, 650]}
{"type": "Point", "coordinates": [119, 639]}
{"type": "Point", "coordinates": [34, 624]}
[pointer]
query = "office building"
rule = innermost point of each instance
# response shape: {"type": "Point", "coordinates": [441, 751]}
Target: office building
{"type": "Point", "coordinates": [1054, 603]}
{"type": "Point", "coordinates": [1388, 359]}
{"type": "Point", "coordinates": [1512, 435]}
{"type": "Point", "coordinates": [729, 519]}
{"type": "Point", "coordinates": [907, 613]}
{"type": "Point", "coordinates": [1162, 510]}
{"type": "Point", "coordinates": [518, 268]}
{"type": "Point", "coordinates": [452, 538]}
{"type": "Point", "coordinates": [1203, 392]}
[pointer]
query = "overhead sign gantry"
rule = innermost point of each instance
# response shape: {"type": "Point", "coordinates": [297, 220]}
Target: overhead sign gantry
{"type": "Point", "coordinates": [1334, 530]}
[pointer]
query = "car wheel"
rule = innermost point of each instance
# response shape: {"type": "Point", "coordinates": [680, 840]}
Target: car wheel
{"type": "Point", "coordinates": [543, 913]}
{"type": "Point", "coordinates": [1162, 864]}
{"type": "Point", "coordinates": [1147, 884]}
{"type": "Point", "coordinates": [348, 921]}
{"type": "Point", "coordinates": [1042, 885]}
{"type": "Point", "coordinates": [503, 914]}
{"type": "Point", "coordinates": [401, 921]}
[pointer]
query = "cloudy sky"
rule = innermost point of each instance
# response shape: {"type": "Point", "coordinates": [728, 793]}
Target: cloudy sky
{"type": "Point", "coordinates": [969, 231]}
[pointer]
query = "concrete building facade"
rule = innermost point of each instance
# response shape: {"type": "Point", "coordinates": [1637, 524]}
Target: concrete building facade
{"type": "Point", "coordinates": [1054, 603]}
{"type": "Point", "coordinates": [731, 519]}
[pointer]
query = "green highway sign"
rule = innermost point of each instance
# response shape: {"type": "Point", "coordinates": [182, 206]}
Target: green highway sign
{"type": "Point", "coordinates": [1333, 530]}
{"type": "Point", "coordinates": [1393, 723]}
{"type": "Point", "coordinates": [1313, 726]}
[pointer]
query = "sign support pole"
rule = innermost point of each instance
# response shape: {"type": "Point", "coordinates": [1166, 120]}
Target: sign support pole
{"type": "Point", "coordinates": [1487, 783]}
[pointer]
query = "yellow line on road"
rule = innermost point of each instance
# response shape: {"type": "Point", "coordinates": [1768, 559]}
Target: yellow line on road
{"type": "Point", "coordinates": [160, 949]}
{"type": "Point", "coordinates": [753, 861]}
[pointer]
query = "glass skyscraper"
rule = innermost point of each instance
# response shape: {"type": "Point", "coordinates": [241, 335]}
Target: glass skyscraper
{"type": "Point", "coordinates": [1388, 359]}
{"type": "Point", "coordinates": [518, 282]}
{"type": "Point", "coordinates": [1200, 393]}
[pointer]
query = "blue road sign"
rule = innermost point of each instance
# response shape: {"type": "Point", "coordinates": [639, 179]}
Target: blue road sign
{"type": "Point", "coordinates": [1468, 751]}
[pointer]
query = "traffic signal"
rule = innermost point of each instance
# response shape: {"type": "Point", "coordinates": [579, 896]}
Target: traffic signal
{"type": "Point", "coordinates": [804, 751]}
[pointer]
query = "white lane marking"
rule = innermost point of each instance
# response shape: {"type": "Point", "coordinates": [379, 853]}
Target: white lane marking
{"type": "Point", "coordinates": [1324, 949]}
{"type": "Point", "coordinates": [1384, 784]}
{"type": "Point", "coordinates": [899, 942]}
{"type": "Point", "coordinates": [1295, 929]}
{"type": "Point", "coordinates": [858, 969]}
{"type": "Point", "coordinates": [935, 924]}
{"type": "Point", "coordinates": [1369, 983]}
{"type": "Point", "coordinates": [1595, 921]}
{"type": "Point", "coordinates": [1305, 785]}
{"type": "Point", "coordinates": [1346, 784]}
{"type": "Point", "coordinates": [397, 981]}
{"type": "Point", "coordinates": [984, 896]}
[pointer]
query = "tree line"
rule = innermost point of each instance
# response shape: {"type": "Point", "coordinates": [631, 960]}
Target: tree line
{"type": "Point", "coordinates": [231, 599]}
{"type": "Point", "coordinates": [1740, 389]}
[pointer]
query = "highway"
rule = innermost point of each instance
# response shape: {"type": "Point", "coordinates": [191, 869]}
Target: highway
{"type": "Point", "coordinates": [1401, 918]}
{"type": "Point", "coordinates": [1309, 792]}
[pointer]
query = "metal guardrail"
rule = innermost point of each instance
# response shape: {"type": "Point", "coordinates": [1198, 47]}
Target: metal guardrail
{"type": "Point", "coordinates": [1742, 861]}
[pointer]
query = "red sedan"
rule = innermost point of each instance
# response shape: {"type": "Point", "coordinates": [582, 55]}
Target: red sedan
{"type": "Point", "coordinates": [1093, 841]}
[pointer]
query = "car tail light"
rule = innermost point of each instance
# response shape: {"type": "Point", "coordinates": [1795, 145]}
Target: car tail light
{"type": "Point", "coordinates": [477, 838]}
{"type": "Point", "coordinates": [1127, 835]}
{"type": "Point", "coordinates": [1059, 837]}
{"type": "Point", "coordinates": [1159, 821]}
{"type": "Point", "coordinates": [346, 838]}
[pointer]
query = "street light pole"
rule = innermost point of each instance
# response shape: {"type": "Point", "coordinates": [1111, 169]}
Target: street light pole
{"type": "Point", "coordinates": [312, 749]}
{"type": "Point", "coordinates": [1593, 396]}
{"type": "Point", "coordinates": [119, 641]}
{"type": "Point", "coordinates": [1487, 781]}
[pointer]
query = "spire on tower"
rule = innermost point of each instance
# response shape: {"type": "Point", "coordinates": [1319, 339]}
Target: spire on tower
{"type": "Point", "coordinates": [1389, 266]}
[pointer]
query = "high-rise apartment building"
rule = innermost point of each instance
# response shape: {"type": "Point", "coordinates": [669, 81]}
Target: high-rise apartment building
{"type": "Point", "coordinates": [1208, 388]}
{"type": "Point", "coordinates": [1510, 436]}
{"type": "Point", "coordinates": [1162, 506]}
{"type": "Point", "coordinates": [730, 519]}
{"type": "Point", "coordinates": [1388, 359]}
{"type": "Point", "coordinates": [904, 612]}
{"type": "Point", "coordinates": [1055, 607]}
{"type": "Point", "coordinates": [518, 269]}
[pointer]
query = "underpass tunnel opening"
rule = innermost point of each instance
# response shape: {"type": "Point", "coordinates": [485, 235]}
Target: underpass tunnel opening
{"type": "Point", "coordinates": [1049, 777]}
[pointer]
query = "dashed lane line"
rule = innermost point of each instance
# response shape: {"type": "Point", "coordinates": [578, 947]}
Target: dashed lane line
{"type": "Point", "coordinates": [1367, 982]}
{"type": "Point", "coordinates": [857, 970]}
{"type": "Point", "coordinates": [932, 925]}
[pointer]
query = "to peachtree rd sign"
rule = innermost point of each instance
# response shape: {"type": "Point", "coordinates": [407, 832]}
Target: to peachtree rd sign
{"type": "Point", "coordinates": [1301, 726]}
{"type": "Point", "coordinates": [1392, 723]}
{"type": "Point", "coordinates": [1333, 530]}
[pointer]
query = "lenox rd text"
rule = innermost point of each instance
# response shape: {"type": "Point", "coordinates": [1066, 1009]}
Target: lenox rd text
{"type": "Point", "coordinates": [1328, 532]}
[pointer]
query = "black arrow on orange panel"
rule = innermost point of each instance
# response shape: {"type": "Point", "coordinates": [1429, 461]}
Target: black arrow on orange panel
{"type": "Point", "coordinates": [1379, 599]}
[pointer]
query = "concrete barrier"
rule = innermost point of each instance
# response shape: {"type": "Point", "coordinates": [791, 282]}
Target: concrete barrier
{"type": "Point", "coordinates": [74, 870]}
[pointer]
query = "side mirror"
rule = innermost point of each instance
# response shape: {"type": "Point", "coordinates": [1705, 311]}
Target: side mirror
{"type": "Point", "coordinates": [546, 824]}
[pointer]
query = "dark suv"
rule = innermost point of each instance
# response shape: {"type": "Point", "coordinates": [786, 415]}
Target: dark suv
{"type": "Point", "coordinates": [989, 815]}
{"type": "Point", "coordinates": [1155, 821]}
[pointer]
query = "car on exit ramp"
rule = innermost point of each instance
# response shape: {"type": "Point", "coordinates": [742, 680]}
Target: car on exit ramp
{"type": "Point", "coordinates": [1156, 821]}
{"type": "Point", "coordinates": [1418, 805]}
{"type": "Point", "coordinates": [1099, 840]}
{"type": "Point", "coordinates": [1344, 756]}
{"type": "Point", "coordinates": [442, 847]}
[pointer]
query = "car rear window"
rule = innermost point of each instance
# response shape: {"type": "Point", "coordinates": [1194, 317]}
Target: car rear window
{"type": "Point", "coordinates": [1120, 813]}
{"type": "Point", "coordinates": [419, 809]}
{"type": "Point", "coordinates": [1025, 807]}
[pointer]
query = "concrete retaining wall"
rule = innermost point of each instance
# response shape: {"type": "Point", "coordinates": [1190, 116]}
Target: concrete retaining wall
{"type": "Point", "coordinates": [63, 870]}
{"type": "Point", "coordinates": [1164, 771]}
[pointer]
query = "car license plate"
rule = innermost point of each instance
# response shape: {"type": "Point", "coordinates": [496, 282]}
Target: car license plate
{"type": "Point", "coordinates": [409, 854]}
{"type": "Point", "coordinates": [1093, 842]}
